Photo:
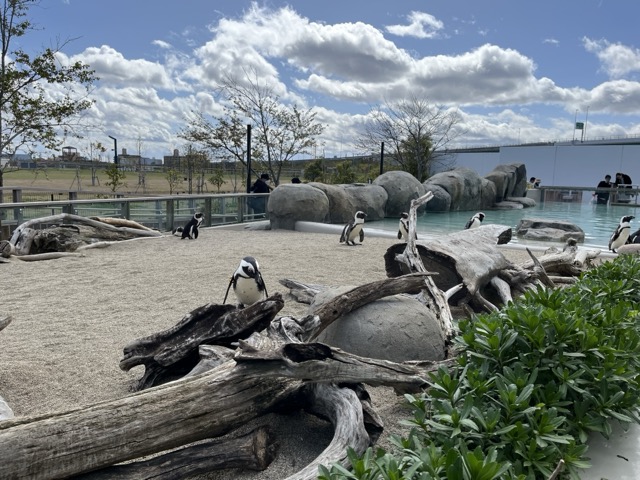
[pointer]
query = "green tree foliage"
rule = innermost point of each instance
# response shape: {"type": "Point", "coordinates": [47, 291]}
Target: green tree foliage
{"type": "Point", "coordinates": [30, 113]}
{"type": "Point", "coordinates": [280, 132]}
{"type": "Point", "coordinates": [314, 172]}
{"type": "Point", "coordinates": [174, 178]}
{"type": "Point", "coordinates": [116, 177]}
{"type": "Point", "coordinates": [532, 382]}
{"type": "Point", "coordinates": [412, 130]}
{"type": "Point", "coordinates": [217, 178]}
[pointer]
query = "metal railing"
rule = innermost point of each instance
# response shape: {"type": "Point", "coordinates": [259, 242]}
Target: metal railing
{"type": "Point", "coordinates": [162, 213]}
{"type": "Point", "coordinates": [627, 195]}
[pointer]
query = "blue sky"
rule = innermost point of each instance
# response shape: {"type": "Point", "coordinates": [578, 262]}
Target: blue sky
{"type": "Point", "coordinates": [515, 71]}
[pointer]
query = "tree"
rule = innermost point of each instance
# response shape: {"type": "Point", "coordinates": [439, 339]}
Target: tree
{"type": "Point", "coordinates": [116, 177]}
{"type": "Point", "coordinates": [280, 131]}
{"type": "Point", "coordinates": [217, 178]}
{"type": "Point", "coordinates": [412, 130]}
{"type": "Point", "coordinates": [30, 113]}
{"type": "Point", "coordinates": [314, 171]}
{"type": "Point", "coordinates": [174, 178]}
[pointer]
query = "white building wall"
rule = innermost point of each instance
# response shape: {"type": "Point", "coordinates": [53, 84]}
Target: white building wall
{"type": "Point", "coordinates": [580, 165]}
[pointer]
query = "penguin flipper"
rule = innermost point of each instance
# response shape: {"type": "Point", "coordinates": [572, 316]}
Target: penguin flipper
{"type": "Point", "coordinates": [399, 234]}
{"type": "Point", "coordinates": [345, 233]}
{"type": "Point", "coordinates": [361, 235]}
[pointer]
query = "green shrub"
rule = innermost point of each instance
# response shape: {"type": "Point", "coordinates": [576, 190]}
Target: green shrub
{"type": "Point", "coordinates": [532, 382]}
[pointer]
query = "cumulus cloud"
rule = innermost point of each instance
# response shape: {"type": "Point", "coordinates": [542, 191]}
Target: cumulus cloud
{"type": "Point", "coordinates": [421, 25]}
{"type": "Point", "coordinates": [617, 60]}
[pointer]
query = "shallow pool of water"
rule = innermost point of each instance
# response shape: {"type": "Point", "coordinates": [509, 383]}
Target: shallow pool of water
{"type": "Point", "coordinates": [597, 221]}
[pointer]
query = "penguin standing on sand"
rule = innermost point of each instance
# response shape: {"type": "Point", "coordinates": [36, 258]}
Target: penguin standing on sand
{"type": "Point", "coordinates": [403, 227]}
{"type": "Point", "coordinates": [475, 221]}
{"type": "Point", "coordinates": [190, 230]}
{"type": "Point", "coordinates": [353, 229]}
{"type": "Point", "coordinates": [247, 283]}
{"type": "Point", "coordinates": [177, 231]}
{"type": "Point", "coordinates": [621, 235]}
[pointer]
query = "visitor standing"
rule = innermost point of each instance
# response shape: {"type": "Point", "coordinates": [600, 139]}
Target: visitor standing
{"type": "Point", "coordinates": [602, 198]}
{"type": "Point", "coordinates": [261, 185]}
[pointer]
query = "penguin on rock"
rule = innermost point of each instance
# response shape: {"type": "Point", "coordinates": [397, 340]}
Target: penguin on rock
{"type": "Point", "coordinates": [353, 229]}
{"type": "Point", "coordinates": [190, 230]}
{"type": "Point", "coordinates": [475, 221]}
{"type": "Point", "coordinates": [403, 227]}
{"type": "Point", "coordinates": [247, 283]}
{"type": "Point", "coordinates": [621, 234]}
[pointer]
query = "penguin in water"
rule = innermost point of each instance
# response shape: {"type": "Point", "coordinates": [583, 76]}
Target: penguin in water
{"type": "Point", "coordinates": [475, 221]}
{"type": "Point", "coordinates": [353, 229]}
{"type": "Point", "coordinates": [247, 283]}
{"type": "Point", "coordinates": [190, 230]}
{"type": "Point", "coordinates": [403, 227]}
{"type": "Point", "coordinates": [621, 235]}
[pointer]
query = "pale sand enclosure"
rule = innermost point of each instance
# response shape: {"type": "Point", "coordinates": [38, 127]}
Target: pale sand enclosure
{"type": "Point", "coordinates": [73, 316]}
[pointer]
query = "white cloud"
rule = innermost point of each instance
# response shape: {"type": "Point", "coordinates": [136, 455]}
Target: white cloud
{"type": "Point", "coordinates": [617, 60]}
{"type": "Point", "coordinates": [421, 25]}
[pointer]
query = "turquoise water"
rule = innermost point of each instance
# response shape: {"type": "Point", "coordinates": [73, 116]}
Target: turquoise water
{"type": "Point", "coordinates": [597, 221]}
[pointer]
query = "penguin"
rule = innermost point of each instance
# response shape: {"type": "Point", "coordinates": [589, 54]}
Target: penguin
{"type": "Point", "coordinates": [475, 221]}
{"type": "Point", "coordinates": [247, 283]}
{"type": "Point", "coordinates": [403, 227]}
{"type": "Point", "coordinates": [190, 230]}
{"type": "Point", "coordinates": [621, 235]}
{"type": "Point", "coordinates": [634, 237]}
{"type": "Point", "coordinates": [177, 231]}
{"type": "Point", "coordinates": [353, 229]}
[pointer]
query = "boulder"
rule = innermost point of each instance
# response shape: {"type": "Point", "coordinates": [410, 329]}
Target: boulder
{"type": "Point", "coordinates": [341, 206]}
{"type": "Point", "coordinates": [371, 199]}
{"type": "Point", "coordinates": [501, 180]}
{"type": "Point", "coordinates": [401, 188]}
{"type": "Point", "coordinates": [468, 191]}
{"type": "Point", "coordinates": [524, 201]}
{"type": "Point", "coordinates": [289, 203]}
{"type": "Point", "coordinates": [441, 201]}
{"type": "Point", "coordinates": [516, 178]}
{"type": "Point", "coordinates": [548, 230]}
{"type": "Point", "coordinates": [397, 328]}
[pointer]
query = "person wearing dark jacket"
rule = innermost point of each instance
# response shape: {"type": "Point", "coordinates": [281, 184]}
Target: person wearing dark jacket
{"type": "Point", "coordinates": [261, 185]}
{"type": "Point", "coordinates": [603, 197]}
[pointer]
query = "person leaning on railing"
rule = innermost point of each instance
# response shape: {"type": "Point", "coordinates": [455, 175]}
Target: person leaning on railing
{"type": "Point", "coordinates": [603, 197]}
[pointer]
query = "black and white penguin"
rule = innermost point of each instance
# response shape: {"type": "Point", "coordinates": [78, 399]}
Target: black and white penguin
{"type": "Point", "coordinates": [353, 229]}
{"type": "Point", "coordinates": [634, 237]}
{"type": "Point", "coordinates": [177, 231]}
{"type": "Point", "coordinates": [475, 221]}
{"type": "Point", "coordinates": [190, 230]}
{"type": "Point", "coordinates": [247, 283]}
{"type": "Point", "coordinates": [403, 227]}
{"type": "Point", "coordinates": [621, 235]}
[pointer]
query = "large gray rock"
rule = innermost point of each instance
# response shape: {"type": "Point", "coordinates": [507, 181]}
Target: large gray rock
{"type": "Point", "coordinates": [401, 188]}
{"type": "Point", "coordinates": [501, 180]}
{"type": "Point", "coordinates": [371, 199]}
{"type": "Point", "coordinates": [341, 205]}
{"type": "Point", "coordinates": [397, 328]}
{"type": "Point", "coordinates": [289, 203]}
{"type": "Point", "coordinates": [516, 177]}
{"type": "Point", "coordinates": [468, 191]}
{"type": "Point", "coordinates": [548, 230]}
{"type": "Point", "coordinates": [441, 201]}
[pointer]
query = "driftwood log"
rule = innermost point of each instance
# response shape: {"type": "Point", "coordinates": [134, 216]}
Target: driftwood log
{"type": "Point", "coordinates": [270, 368]}
{"type": "Point", "coordinates": [473, 271]}
{"type": "Point", "coordinates": [64, 234]}
{"type": "Point", "coordinates": [5, 410]}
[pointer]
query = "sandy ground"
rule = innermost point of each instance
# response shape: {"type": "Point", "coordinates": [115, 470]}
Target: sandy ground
{"type": "Point", "coordinates": [73, 316]}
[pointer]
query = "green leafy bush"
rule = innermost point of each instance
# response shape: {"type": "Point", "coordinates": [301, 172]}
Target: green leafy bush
{"type": "Point", "coordinates": [532, 382]}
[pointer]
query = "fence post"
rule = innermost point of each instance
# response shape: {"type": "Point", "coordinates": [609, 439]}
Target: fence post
{"type": "Point", "coordinates": [170, 214]}
{"type": "Point", "coordinates": [207, 212]}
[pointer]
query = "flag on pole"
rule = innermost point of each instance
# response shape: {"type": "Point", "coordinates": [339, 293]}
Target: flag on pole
{"type": "Point", "coordinates": [579, 126]}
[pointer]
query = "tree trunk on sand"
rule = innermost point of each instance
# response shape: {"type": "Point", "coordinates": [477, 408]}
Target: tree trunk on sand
{"type": "Point", "coordinates": [69, 232]}
{"type": "Point", "coordinates": [471, 269]}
